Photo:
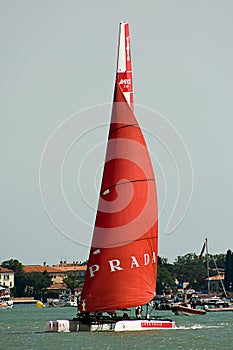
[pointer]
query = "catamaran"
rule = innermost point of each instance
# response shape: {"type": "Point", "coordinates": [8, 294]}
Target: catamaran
{"type": "Point", "coordinates": [122, 265]}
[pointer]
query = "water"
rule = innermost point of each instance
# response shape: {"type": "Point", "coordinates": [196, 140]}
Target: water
{"type": "Point", "coordinates": [23, 326]}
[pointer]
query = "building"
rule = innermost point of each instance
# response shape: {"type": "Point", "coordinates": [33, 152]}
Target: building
{"type": "Point", "coordinates": [6, 277]}
{"type": "Point", "coordinates": [59, 288]}
{"type": "Point", "coordinates": [216, 283]}
{"type": "Point", "coordinates": [57, 275]}
{"type": "Point", "coordinates": [75, 268]}
{"type": "Point", "coordinates": [59, 272]}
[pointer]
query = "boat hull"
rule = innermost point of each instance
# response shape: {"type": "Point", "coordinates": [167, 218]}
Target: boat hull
{"type": "Point", "coordinates": [5, 306]}
{"type": "Point", "coordinates": [220, 309]}
{"type": "Point", "coordinates": [184, 310]}
{"type": "Point", "coordinates": [143, 325]}
{"type": "Point", "coordinates": [118, 326]}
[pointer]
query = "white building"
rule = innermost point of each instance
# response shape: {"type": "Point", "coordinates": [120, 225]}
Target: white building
{"type": "Point", "coordinates": [6, 277]}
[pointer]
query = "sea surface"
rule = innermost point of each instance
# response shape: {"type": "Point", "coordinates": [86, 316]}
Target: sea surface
{"type": "Point", "coordinates": [23, 327]}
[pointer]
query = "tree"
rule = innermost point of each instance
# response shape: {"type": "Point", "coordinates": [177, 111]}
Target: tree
{"type": "Point", "coordinates": [13, 264]}
{"type": "Point", "coordinates": [17, 267]}
{"type": "Point", "coordinates": [72, 281]}
{"type": "Point", "coordinates": [36, 282]}
{"type": "Point", "coordinates": [220, 260]}
{"type": "Point", "coordinates": [27, 284]}
{"type": "Point", "coordinates": [189, 268]}
{"type": "Point", "coordinates": [165, 279]}
{"type": "Point", "coordinates": [229, 271]}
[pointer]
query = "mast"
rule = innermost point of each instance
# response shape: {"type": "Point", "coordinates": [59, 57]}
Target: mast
{"type": "Point", "coordinates": [207, 266]}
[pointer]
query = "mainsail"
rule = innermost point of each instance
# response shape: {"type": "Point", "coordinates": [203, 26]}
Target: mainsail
{"type": "Point", "coordinates": [122, 264]}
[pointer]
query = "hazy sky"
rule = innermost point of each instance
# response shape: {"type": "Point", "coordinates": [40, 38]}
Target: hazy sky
{"type": "Point", "coordinates": [58, 58]}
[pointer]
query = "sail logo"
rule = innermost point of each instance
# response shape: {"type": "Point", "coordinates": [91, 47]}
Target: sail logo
{"type": "Point", "coordinates": [125, 82]}
{"type": "Point", "coordinates": [152, 324]}
{"type": "Point", "coordinates": [115, 264]}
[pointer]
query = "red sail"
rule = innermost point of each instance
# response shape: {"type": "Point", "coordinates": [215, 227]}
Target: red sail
{"type": "Point", "coordinates": [122, 264]}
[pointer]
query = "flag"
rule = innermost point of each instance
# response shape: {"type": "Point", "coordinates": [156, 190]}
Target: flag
{"type": "Point", "coordinates": [202, 251]}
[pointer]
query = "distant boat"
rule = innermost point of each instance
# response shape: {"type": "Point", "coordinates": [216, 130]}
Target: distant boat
{"type": "Point", "coordinates": [217, 304]}
{"type": "Point", "coordinates": [220, 309]}
{"type": "Point", "coordinates": [71, 301]}
{"type": "Point", "coordinates": [4, 305]}
{"type": "Point", "coordinates": [63, 301]}
{"type": "Point", "coordinates": [122, 265]}
{"type": "Point", "coordinates": [205, 249]}
{"type": "Point", "coordinates": [185, 310]}
{"type": "Point", "coordinates": [5, 299]}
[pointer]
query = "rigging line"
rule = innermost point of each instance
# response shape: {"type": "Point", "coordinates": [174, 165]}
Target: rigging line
{"type": "Point", "coordinates": [145, 239]}
{"type": "Point", "coordinates": [126, 182]}
{"type": "Point", "coordinates": [122, 127]}
{"type": "Point", "coordinates": [223, 287]}
{"type": "Point", "coordinates": [129, 241]}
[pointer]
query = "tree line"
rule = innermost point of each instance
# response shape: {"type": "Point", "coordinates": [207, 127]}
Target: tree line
{"type": "Point", "coordinates": [170, 277]}
{"type": "Point", "coordinates": [35, 284]}
{"type": "Point", "coordinates": [188, 268]}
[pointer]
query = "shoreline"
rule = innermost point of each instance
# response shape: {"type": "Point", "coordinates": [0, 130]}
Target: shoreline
{"type": "Point", "coordinates": [28, 300]}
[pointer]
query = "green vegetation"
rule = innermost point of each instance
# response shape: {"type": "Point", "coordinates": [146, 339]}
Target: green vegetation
{"type": "Point", "coordinates": [72, 281]}
{"type": "Point", "coordinates": [27, 284]}
{"type": "Point", "coordinates": [229, 271]}
{"type": "Point", "coordinates": [188, 268]}
{"type": "Point", "coordinates": [16, 266]}
{"type": "Point", "coordinates": [35, 282]}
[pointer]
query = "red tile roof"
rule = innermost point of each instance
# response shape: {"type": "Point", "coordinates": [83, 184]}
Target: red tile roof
{"type": "Point", "coordinates": [71, 267]}
{"type": "Point", "coordinates": [4, 270]}
{"type": "Point", "coordinates": [40, 268]}
{"type": "Point", "coordinates": [216, 278]}
{"type": "Point", "coordinates": [57, 286]}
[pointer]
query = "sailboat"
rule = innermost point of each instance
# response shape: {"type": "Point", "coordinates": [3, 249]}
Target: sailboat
{"type": "Point", "coordinates": [214, 303]}
{"type": "Point", "coordinates": [122, 265]}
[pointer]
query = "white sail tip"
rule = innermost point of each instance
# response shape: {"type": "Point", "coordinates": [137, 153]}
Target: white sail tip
{"type": "Point", "coordinates": [124, 64]}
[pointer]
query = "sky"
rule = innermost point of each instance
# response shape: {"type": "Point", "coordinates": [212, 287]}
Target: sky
{"type": "Point", "coordinates": [57, 67]}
